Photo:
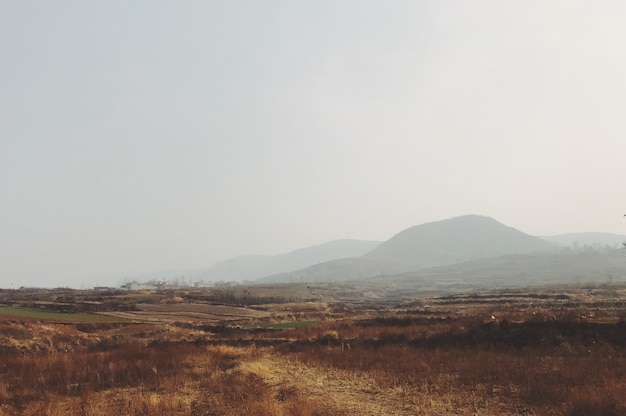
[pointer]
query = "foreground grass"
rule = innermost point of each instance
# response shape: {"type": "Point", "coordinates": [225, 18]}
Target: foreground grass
{"type": "Point", "coordinates": [60, 317]}
{"type": "Point", "coordinates": [535, 368]}
{"type": "Point", "coordinates": [509, 361]}
{"type": "Point", "coordinates": [162, 379]}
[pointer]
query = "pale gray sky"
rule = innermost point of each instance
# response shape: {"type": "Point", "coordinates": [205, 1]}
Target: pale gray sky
{"type": "Point", "coordinates": [148, 135]}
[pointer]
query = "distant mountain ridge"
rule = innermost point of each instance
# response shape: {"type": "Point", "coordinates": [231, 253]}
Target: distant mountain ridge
{"type": "Point", "coordinates": [353, 268]}
{"type": "Point", "coordinates": [256, 266]}
{"type": "Point", "coordinates": [469, 248]}
{"type": "Point", "coordinates": [451, 241]}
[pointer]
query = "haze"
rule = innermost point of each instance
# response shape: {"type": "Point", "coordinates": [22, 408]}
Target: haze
{"type": "Point", "coordinates": [152, 135]}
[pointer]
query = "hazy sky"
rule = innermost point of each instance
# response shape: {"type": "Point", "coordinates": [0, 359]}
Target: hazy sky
{"type": "Point", "coordinates": [138, 136]}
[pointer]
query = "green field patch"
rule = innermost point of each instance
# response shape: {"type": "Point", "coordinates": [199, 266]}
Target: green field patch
{"type": "Point", "coordinates": [281, 325]}
{"type": "Point", "coordinates": [58, 316]}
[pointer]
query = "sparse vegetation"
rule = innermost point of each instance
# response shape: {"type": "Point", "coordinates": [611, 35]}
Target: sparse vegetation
{"type": "Point", "coordinates": [543, 352]}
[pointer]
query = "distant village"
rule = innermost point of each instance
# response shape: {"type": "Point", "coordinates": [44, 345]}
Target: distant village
{"type": "Point", "coordinates": [170, 284]}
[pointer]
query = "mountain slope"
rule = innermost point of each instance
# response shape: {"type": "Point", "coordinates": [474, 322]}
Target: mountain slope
{"type": "Point", "coordinates": [455, 240]}
{"type": "Point", "coordinates": [439, 243]}
{"type": "Point", "coordinates": [255, 266]}
{"type": "Point", "coordinates": [539, 268]}
{"type": "Point", "coordinates": [355, 268]}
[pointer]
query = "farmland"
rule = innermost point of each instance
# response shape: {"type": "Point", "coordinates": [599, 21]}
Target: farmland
{"type": "Point", "coordinates": [57, 316]}
{"type": "Point", "coordinates": [313, 351]}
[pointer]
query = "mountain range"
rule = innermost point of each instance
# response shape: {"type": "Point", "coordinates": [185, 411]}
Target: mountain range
{"type": "Point", "coordinates": [257, 266]}
{"type": "Point", "coordinates": [451, 241]}
{"type": "Point", "coordinates": [471, 247]}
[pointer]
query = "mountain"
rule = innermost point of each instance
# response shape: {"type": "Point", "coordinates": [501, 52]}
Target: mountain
{"type": "Point", "coordinates": [587, 239]}
{"type": "Point", "coordinates": [520, 270]}
{"type": "Point", "coordinates": [438, 243]}
{"type": "Point", "coordinates": [455, 240]}
{"type": "Point", "coordinates": [356, 268]}
{"type": "Point", "coordinates": [255, 266]}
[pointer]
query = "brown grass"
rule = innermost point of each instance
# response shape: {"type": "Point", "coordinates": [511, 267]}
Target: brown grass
{"type": "Point", "coordinates": [134, 379]}
{"type": "Point", "coordinates": [543, 367]}
{"type": "Point", "coordinates": [495, 359]}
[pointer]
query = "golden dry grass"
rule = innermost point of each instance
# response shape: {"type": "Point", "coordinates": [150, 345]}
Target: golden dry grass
{"type": "Point", "coordinates": [552, 360]}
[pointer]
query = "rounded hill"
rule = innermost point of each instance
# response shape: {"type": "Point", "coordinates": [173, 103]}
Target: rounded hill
{"type": "Point", "coordinates": [455, 240]}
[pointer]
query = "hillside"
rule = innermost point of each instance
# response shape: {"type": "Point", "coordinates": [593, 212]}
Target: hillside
{"type": "Point", "coordinates": [255, 266]}
{"type": "Point", "coordinates": [338, 270]}
{"type": "Point", "coordinates": [439, 243]}
{"type": "Point", "coordinates": [455, 240]}
{"type": "Point", "coordinates": [521, 270]}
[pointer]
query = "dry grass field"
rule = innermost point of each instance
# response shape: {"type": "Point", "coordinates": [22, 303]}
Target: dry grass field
{"type": "Point", "coordinates": [557, 351]}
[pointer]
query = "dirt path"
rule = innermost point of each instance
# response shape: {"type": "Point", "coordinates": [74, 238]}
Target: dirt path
{"type": "Point", "coordinates": [347, 392]}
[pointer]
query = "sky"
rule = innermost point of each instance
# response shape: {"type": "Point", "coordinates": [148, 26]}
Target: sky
{"type": "Point", "coordinates": [157, 135]}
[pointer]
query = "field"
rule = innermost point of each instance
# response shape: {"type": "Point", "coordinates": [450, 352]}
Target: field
{"type": "Point", "coordinates": [316, 351]}
{"type": "Point", "coordinates": [6, 311]}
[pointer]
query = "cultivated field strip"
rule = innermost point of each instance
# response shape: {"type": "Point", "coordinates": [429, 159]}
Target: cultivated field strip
{"type": "Point", "coordinates": [188, 312]}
